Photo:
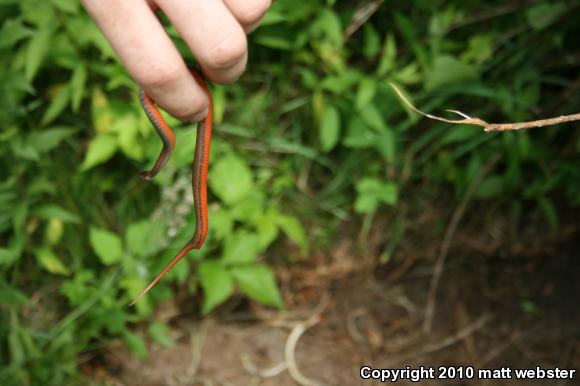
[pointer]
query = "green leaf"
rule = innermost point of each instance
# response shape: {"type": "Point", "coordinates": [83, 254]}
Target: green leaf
{"type": "Point", "coordinates": [41, 185]}
{"type": "Point", "coordinates": [47, 139]}
{"type": "Point", "coordinates": [56, 106]}
{"type": "Point", "coordinates": [267, 228]}
{"type": "Point", "coordinates": [442, 19]}
{"type": "Point", "coordinates": [143, 238]}
{"type": "Point", "coordinates": [114, 319]}
{"type": "Point", "coordinates": [91, 34]}
{"type": "Point", "coordinates": [219, 103]}
{"type": "Point", "coordinates": [36, 52]}
{"type": "Point", "coordinates": [221, 223]}
{"type": "Point", "coordinates": [273, 16]}
{"type": "Point", "coordinates": [49, 261]}
{"type": "Point", "coordinates": [8, 256]}
{"type": "Point", "coordinates": [543, 15]}
{"type": "Point", "coordinates": [31, 343]}
{"type": "Point", "coordinates": [294, 230]}
{"type": "Point", "coordinates": [77, 85]}
{"type": "Point", "coordinates": [372, 41]}
{"type": "Point", "coordinates": [12, 32]}
{"type": "Point", "coordinates": [136, 344]}
{"type": "Point", "coordinates": [550, 212]}
{"type": "Point", "coordinates": [318, 104]}
{"type": "Point", "coordinates": [134, 284]}
{"type": "Point", "coordinates": [101, 113]}
{"type": "Point", "coordinates": [389, 56]}
{"type": "Point", "coordinates": [448, 70]}
{"type": "Point", "coordinates": [17, 353]}
{"type": "Point", "coordinates": [490, 187]}
{"type": "Point", "coordinates": [480, 49]}
{"type": "Point", "coordinates": [217, 284]}
{"type": "Point", "coordinates": [329, 128]}
{"type": "Point", "coordinates": [409, 74]}
{"type": "Point", "coordinates": [54, 231]}
{"type": "Point", "coordinates": [37, 13]}
{"type": "Point", "coordinates": [385, 144]}
{"type": "Point", "coordinates": [69, 6]}
{"type": "Point", "coordinates": [342, 83]}
{"type": "Point", "coordinates": [276, 42]}
{"type": "Point", "coordinates": [372, 192]}
{"type": "Point", "coordinates": [20, 214]}
{"type": "Point", "coordinates": [101, 149]}
{"type": "Point", "coordinates": [161, 334]}
{"type": "Point", "coordinates": [130, 143]}
{"type": "Point", "coordinates": [240, 248]}
{"type": "Point", "coordinates": [231, 179]}
{"type": "Point", "coordinates": [107, 245]}
{"type": "Point", "coordinates": [250, 208]}
{"type": "Point", "coordinates": [358, 134]}
{"type": "Point", "coordinates": [366, 92]}
{"type": "Point", "coordinates": [24, 149]}
{"type": "Point", "coordinates": [11, 296]}
{"type": "Point", "coordinates": [50, 212]}
{"type": "Point", "coordinates": [524, 145]}
{"type": "Point", "coordinates": [461, 133]}
{"type": "Point", "coordinates": [258, 283]}
{"type": "Point", "coordinates": [373, 117]}
{"type": "Point", "coordinates": [327, 27]}
{"type": "Point", "coordinates": [182, 155]}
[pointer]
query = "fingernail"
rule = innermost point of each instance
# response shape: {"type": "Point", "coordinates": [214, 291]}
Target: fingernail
{"type": "Point", "coordinates": [200, 116]}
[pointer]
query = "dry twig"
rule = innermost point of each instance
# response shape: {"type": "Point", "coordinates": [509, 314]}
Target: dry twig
{"type": "Point", "coordinates": [290, 350]}
{"type": "Point", "coordinates": [490, 126]}
{"type": "Point", "coordinates": [270, 372]}
{"type": "Point", "coordinates": [448, 341]}
{"type": "Point", "coordinates": [197, 339]}
{"type": "Point", "coordinates": [351, 326]}
{"type": "Point", "coordinates": [497, 351]}
{"type": "Point", "coordinates": [289, 362]}
{"type": "Point", "coordinates": [447, 239]}
{"type": "Point", "coordinates": [430, 308]}
{"type": "Point", "coordinates": [361, 16]}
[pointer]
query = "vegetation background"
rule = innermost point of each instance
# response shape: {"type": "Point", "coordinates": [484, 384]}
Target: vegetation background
{"type": "Point", "coordinates": [311, 148]}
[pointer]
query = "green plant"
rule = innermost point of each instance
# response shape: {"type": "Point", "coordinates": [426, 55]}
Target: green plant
{"type": "Point", "coordinates": [310, 138]}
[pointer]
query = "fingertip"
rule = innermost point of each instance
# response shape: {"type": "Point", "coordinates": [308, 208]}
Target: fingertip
{"type": "Point", "coordinates": [249, 13]}
{"type": "Point", "coordinates": [226, 75]}
{"type": "Point", "coordinates": [184, 100]}
{"type": "Point", "coordinates": [214, 36]}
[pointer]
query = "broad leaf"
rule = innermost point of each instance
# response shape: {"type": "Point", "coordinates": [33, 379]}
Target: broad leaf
{"type": "Point", "coordinates": [231, 179]}
{"type": "Point", "coordinates": [329, 131]}
{"type": "Point", "coordinates": [49, 261]}
{"type": "Point", "coordinates": [258, 283]}
{"type": "Point", "coordinates": [101, 149]}
{"type": "Point", "coordinates": [240, 248]}
{"type": "Point", "coordinates": [107, 245]}
{"type": "Point", "coordinates": [217, 284]}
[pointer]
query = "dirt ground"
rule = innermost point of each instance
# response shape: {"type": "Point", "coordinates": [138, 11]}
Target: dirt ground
{"type": "Point", "coordinates": [502, 302]}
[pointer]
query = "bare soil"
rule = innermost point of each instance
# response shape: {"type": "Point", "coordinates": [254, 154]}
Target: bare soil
{"type": "Point", "coordinates": [502, 302]}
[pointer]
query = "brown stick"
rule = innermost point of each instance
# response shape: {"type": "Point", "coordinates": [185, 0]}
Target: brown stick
{"type": "Point", "coordinates": [361, 16]}
{"type": "Point", "coordinates": [290, 353]}
{"type": "Point", "coordinates": [446, 342]}
{"type": "Point", "coordinates": [490, 126]}
{"type": "Point", "coordinates": [446, 244]}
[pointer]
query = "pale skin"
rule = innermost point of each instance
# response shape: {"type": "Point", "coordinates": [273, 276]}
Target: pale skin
{"type": "Point", "coordinates": [214, 30]}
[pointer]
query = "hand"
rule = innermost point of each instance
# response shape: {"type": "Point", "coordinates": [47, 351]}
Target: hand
{"type": "Point", "coordinates": [214, 30]}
